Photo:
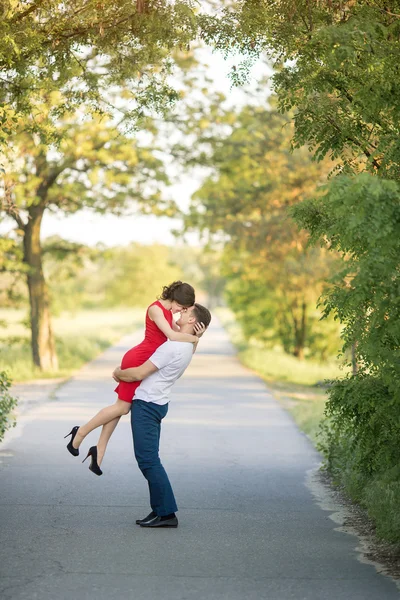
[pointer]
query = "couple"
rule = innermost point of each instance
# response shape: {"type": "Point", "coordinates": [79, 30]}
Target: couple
{"type": "Point", "coordinates": [148, 382]}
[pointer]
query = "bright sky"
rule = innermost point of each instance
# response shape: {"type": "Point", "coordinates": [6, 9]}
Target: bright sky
{"type": "Point", "coordinates": [90, 228]}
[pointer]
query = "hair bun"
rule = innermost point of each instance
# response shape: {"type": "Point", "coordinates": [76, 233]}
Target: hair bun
{"type": "Point", "coordinates": [175, 285]}
{"type": "Point", "coordinates": [182, 293]}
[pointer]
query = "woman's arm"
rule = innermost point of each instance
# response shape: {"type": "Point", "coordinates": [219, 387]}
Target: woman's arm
{"type": "Point", "coordinates": [175, 326]}
{"type": "Point", "coordinates": [157, 315]}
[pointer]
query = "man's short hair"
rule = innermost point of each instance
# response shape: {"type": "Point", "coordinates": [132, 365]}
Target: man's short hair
{"type": "Point", "coordinates": [202, 314]}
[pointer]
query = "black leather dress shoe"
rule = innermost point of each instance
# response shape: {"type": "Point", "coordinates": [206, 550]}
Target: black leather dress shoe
{"type": "Point", "coordinates": [148, 518]}
{"type": "Point", "coordinates": [157, 522]}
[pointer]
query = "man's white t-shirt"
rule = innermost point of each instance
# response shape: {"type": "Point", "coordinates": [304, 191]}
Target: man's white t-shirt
{"type": "Point", "coordinates": [171, 360]}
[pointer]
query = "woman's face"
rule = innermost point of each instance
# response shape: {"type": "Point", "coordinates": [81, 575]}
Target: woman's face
{"type": "Point", "coordinates": [176, 307]}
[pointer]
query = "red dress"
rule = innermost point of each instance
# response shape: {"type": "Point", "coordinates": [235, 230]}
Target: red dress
{"type": "Point", "coordinates": [136, 356]}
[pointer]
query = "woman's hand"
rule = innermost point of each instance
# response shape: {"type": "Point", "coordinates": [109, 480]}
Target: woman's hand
{"type": "Point", "coordinates": [199, 329]}
{"type": "Point", "coordinates": [115, 374]}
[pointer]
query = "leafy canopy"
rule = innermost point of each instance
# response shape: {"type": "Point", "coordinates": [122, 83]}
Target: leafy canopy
{"type": "Point", "coordinates": [337, 65]}
{"type": "Point", "coordinates": [273, 278]}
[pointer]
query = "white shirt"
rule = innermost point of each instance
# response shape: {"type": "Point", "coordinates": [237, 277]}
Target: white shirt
{"type": "Point", "coordinates": [171, 360]}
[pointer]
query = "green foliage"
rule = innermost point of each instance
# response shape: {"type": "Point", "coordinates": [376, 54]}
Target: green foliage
{"type": "Point", "coordinates": [360, 217]}
{"type": "Point", "coordinates": [360, 442]}
{"type": "Point", "coordinates": [64, 265]}
{"type": "Point", "coordinates": [135, 275]}
{"type": "Point", "coordinates": [337, 68]}
{"type": "Point", "coordinates": [363, 414]}
{"type": "Point", "coordinates": [269, 303]}
{"type": "Point", "coordinates": [336, 65]}
{"type": "Point", "coordinates": [86, 49]}
{"type": "Point", "coordinates": [382, 499]}
{"type": "Point", "coordinates": [92, 165]}
{"type": "Point", "coordinates": [7, 404]}
{"type": "Point", "coordinates": [274, 280]}
{"type": "Point", "coordinates": [81, 277]}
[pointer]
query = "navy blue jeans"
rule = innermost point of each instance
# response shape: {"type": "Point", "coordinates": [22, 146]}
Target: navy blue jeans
{"type": "Point", "coordinates": [146, 420]}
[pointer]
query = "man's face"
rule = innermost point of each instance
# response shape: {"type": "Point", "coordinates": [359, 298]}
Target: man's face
{"type": "Point", "coordinates": [186, 316]}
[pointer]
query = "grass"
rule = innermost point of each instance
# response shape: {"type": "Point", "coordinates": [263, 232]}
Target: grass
{"type": "Point", "coordinates": [299, 385]}
{"type": "Point", "coordinates": [80, 337]}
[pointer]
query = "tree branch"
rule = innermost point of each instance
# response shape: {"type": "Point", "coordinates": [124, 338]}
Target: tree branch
{"type": "Point", "coordinates": [26, 12]}
{"type": "Point", "coordinates": [9, 206]}
{"type": "Point", "coordinates": [365, 151]}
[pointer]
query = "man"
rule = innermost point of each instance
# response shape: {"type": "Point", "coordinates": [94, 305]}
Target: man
{"type": "Point", "coordinates": [149, 407]}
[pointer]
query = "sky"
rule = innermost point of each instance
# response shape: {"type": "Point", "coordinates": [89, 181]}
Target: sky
{"type": "Point", "coordinates": [90, 228]}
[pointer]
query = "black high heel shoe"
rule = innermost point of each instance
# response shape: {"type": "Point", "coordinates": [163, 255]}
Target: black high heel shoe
{"type": "Point", "coordinates": [94, 467]}
{"type": "Point", "coordinates": [70, 448]}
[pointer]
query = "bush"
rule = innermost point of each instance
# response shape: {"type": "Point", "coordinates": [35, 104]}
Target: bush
{"type": "Point", "coordinates": [363, 419]}
{"type": "Point", "coordinates": [7, 403]}
{"type": "Point", "coordinates": [359, 217]}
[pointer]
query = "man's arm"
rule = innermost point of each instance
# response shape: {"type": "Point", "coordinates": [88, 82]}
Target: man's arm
{"type": "Point", "coordinates": [135, 373]}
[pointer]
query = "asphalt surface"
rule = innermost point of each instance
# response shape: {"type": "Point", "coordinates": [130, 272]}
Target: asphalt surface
{"type": "Point", "coordinates": [249, 527]}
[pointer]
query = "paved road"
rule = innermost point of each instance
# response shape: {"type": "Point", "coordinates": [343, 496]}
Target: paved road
{"type": "Point", "coordinates": [249, 527]}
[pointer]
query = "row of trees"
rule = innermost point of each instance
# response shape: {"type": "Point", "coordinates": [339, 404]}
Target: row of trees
{"type": "Point", "coordinates": [92, 166]}
{"type": "Point", "coordinates": [77, 81]}
{"type": "Point", "coordinates": [82, 277]}
{"type": "Point", "coordinates": [337, 68]}
{"type": "Point", "coordinates": [273, 277]}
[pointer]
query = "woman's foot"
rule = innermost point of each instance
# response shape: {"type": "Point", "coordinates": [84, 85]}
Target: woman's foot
{"type": "Point", "coordinates": [77, 439]}
{"type": "Point", "coordinates": [94, 467]}
{"type": "Point", "coordinates": [100, 454]}
{"type": "Point", "coordinates": [70, 446]}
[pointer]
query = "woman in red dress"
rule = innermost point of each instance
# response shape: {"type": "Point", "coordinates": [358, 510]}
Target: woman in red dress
{"type": "Point", "coordinates": [159, 327]}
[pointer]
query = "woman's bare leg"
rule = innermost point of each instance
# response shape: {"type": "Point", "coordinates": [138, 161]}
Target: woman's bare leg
{"type": "Point", "coordinates": [106, 433]}
{"type": "Point", "coordinates": [104, 416]}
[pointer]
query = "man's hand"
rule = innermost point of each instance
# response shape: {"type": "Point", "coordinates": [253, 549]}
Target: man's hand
{"type": "Point", "coordinates": [199, 329]}
{"type": "Point", "coordinates": [116, 373]}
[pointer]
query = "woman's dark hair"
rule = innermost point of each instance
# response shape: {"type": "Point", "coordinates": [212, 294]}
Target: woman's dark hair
{"type": "Point", "coordinates": [182, 293]}
{"type": "Point", "coordinates": [202, 314]}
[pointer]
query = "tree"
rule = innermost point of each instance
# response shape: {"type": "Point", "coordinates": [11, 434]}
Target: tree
{"type": "Point", "coordinates": [364, 295]}
{"type": "Point", "coordinates": [363, 409]}
{"type": "Point", "coordinates": [95, 166]}
{"type": "Point", "coordinates": [275, 301]}
{"type": "Point", "coordinates": [86, 48]}
{"type": "Point", "coordinates": [134, 275]}
{"type": "Point", "coordinates": [337, 68]}
{"type": "Point", "coordinates": [245, 204]}
{"type": "Point", "coordinates": [90, 277]}
{"type": "Point", "coordinates": [337, 65]}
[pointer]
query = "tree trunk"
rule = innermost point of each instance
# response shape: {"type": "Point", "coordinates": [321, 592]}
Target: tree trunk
{"type": "Point", "coordinates": [300, 330]}
{"type": "Point", "coordinates": [42, 339]}
{"type": "Point", "coordinates": [354, 363]}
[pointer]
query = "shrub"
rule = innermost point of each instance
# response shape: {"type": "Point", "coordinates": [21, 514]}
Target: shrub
{"type": "Point", "coordinates": [363, 417]}
{"type": "Point", "coordinates": [7, 403]}
{"type": "Point", "coordinates": [359, 217]}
